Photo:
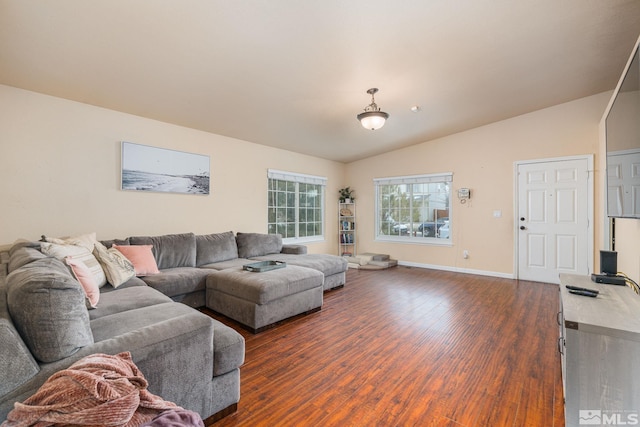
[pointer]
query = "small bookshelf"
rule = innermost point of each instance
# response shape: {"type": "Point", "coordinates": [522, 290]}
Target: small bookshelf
{"type": "Point", "coordinates": [347, 229]}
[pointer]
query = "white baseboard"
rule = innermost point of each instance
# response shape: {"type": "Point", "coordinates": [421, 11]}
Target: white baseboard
{"type": "Point", "coordinates": [457, 269]}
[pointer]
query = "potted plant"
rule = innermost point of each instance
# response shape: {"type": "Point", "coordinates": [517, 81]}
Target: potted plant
{"type": "Point", "coordinates": [346, 195]}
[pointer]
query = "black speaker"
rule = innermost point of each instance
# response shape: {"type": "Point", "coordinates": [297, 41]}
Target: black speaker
{"type": "Point", "coordinates": [609, 262]}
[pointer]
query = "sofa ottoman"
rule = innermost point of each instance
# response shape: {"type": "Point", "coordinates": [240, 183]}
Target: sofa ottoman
{"type": "Point", "coordinates": [259, 300]}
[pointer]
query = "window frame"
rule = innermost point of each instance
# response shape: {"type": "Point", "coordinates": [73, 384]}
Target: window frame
{"type": "Point", "coordinates": [297, 179]}
{"type": "Point", "coordinates": [446, 177]}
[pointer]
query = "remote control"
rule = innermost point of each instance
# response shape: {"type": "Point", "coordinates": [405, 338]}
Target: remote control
{"type": "Point", "coordinates": [583, 293]}
{"type": "Point", "coordinates": [578, 288]}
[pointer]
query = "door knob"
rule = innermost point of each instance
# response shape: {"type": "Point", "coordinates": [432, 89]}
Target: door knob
{"type": "Point", "coordinates": [522, 227]}
{"type": "Point", "coordinates": [521, 218]}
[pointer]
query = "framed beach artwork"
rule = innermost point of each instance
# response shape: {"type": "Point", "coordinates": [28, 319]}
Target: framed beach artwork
{"type": "Point", "coordinates": [146, 168]}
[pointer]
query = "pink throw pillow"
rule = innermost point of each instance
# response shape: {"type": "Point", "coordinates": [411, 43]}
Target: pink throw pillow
{"type": "Point", "coordinates": [141, 257]}
{"type": "Point", "coordinates": [86, 279]}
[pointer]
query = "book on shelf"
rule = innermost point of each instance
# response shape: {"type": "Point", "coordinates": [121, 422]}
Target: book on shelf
{"type": "Point", "coordinates": [347, 226]}
{"type": "Point", "coordinates": [346, 238]}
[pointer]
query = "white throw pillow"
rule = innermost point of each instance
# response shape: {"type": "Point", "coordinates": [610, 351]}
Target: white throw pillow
{"type": "Point", "coordinates": [85, 240]}
{"type": "Point", "coordinates": [79, 253]}
{"type": "Point", "coordinates": [116, 266]}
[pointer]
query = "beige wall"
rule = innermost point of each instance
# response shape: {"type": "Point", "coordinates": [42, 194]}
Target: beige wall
{"type": "Point", "coordinates": [483, 160]}
{"type": "Point", "coordinates": [60, 175]}
{"type": "Point", "coordinates": [60, 166]}
{"type": "Point", "coordinates": [628, 247]}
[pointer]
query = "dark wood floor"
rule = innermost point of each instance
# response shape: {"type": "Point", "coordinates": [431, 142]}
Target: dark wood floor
{"type": "Point", "coordinates": [409, 347]}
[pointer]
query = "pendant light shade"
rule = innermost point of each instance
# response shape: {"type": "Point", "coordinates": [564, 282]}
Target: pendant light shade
{"type": "Point", "coordinates": [372, 118]}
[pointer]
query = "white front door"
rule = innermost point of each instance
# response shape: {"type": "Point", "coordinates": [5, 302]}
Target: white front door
{"type": "Point", "coordinates": [554, 219]}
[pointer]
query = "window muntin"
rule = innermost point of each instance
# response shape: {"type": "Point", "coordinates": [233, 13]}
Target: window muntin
{"type": "Point", "coordinates": [414, 208]}
{"type": "Point", "coordinates": [296, 206]}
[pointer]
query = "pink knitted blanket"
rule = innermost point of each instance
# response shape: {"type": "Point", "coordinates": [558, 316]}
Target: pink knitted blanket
{"type": "Point", "coordinates": [98, 390]}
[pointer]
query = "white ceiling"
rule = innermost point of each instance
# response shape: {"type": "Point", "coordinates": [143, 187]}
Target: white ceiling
{"type": "Point", "coordinates": [293, 74]}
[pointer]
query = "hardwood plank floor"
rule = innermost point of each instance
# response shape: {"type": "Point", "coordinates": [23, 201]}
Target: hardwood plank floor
{"type": "Point", "coordinates": [409, 347]}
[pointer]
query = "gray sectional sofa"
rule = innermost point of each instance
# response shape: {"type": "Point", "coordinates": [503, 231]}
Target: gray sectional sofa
{"type": "Point", "coordinates": [186, 356]}
{"type": "Point", "coordinates": [186, 267]}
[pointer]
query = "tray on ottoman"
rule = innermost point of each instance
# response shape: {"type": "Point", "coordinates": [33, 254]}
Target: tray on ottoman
{"type": "Point", "coordinates": [259, 267]}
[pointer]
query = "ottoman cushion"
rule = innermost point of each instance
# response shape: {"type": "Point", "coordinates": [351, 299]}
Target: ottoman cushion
{"type": "Point", "coordinates": [328, 264]}
{"type": "Point", "coordinates": [261, 288]}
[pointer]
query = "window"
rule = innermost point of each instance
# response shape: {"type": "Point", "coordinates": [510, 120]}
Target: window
{"type": "Point", "coordinates": [414, 208]}
{"type": "Point", "coordinates": [296, 206]}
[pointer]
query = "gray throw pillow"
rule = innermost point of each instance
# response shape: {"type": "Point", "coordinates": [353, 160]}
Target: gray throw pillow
{"type": "Point", "coordinates": [48, 309]}
{"type": "Point", "coordinates": [16, 362]}
{"type": "Point", "coordinates": [215, 248]}
{"type": "Point", "coordinates": [257, 244]}
{"type": "Point", "coordinates": [22, 254]}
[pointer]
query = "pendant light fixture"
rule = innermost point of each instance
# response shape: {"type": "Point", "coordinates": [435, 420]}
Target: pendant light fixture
{"type": "Point", "coordinates": [372, 118]}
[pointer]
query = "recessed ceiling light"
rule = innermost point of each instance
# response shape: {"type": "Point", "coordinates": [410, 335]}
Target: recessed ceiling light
{"type": "Point", "coordinates": [416, 108]}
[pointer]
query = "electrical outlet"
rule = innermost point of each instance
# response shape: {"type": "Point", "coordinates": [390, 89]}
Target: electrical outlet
{"type": "Point", "coordinates": [465, 254]}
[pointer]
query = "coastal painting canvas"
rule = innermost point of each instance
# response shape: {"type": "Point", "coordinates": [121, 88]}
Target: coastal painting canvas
{"type": "Point", "coordinates": [146, 168]}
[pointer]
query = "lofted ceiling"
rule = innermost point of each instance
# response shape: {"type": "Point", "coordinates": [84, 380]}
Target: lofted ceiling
{"type": "Point", "coordinates": [293, 74]}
